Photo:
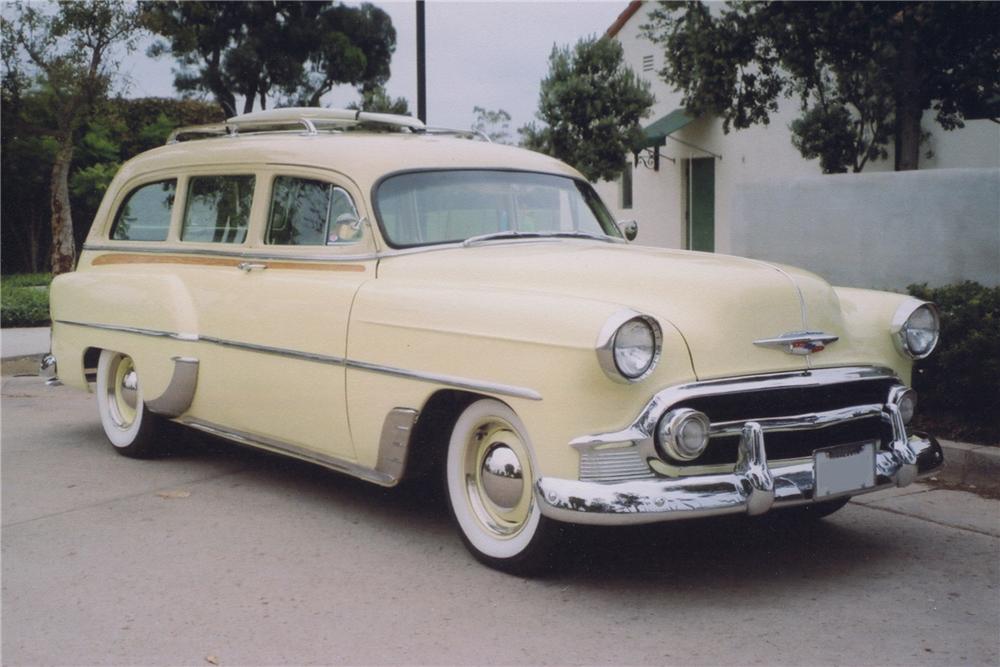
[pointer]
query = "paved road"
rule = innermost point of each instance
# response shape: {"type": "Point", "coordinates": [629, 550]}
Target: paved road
{"type": "Point", "coordinates": [239, 557]}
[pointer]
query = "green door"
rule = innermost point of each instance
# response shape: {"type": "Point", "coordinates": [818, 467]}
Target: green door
{"type": "Point", "coordinates": [701, 204]}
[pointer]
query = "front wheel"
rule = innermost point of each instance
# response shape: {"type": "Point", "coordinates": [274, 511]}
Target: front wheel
{"type": "Point", "coordinates": [489, 477]}
{"type": "Point", "coordinates": [128, 425]}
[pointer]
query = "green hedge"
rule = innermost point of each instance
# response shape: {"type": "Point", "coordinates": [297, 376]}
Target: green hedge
{"type": "Point", "coordinates": [24, 300]}
{"type": "Point", "coordinates": [959, 384]}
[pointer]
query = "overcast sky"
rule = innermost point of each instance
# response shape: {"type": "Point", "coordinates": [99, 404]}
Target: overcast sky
{"type": "Point", "coordinates": [488, 54]}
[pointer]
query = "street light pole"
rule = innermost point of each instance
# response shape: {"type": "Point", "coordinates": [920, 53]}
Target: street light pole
{"type": "Point", "coordinates": [421, 64]}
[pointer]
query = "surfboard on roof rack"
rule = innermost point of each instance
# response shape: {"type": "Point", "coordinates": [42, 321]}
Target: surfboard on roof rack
{"type": "Point", "coordinates": [311, 120]}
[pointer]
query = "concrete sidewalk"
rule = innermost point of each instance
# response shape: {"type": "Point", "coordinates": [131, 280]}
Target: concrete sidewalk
{"type": "Point", "coordinates": [23, 342]}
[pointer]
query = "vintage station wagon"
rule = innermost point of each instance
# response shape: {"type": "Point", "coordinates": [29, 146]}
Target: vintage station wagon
{"type": "Point", "coordinates": [397, 302]}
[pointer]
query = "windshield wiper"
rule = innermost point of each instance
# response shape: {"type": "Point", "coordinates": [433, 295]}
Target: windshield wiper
{"type": "Point", "coordinates": [507, 234]}
{"type": "Point", "coordinates": [514, 234]}
{"type": "Point", "coordinates": [586, 235]}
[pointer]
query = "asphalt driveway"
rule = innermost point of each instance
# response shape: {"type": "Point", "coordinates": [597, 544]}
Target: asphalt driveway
{"type": "Point", "coordinates": [225, 555]}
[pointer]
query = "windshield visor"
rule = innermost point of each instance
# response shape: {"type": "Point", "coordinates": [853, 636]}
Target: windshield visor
{"type": "Point", "coordinates": [432, 207]}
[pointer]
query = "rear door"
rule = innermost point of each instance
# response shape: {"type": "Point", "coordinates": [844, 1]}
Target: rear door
{"type": "Point", "coordinates": [274, 311]}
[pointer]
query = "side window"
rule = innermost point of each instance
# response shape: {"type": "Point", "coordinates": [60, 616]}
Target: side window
{"type": "Point", "coordinates": [218, 209]}
{"type": "Point", "coordinates": [145, 213]}
{"type": "Point", "coordinates": [309, 212]}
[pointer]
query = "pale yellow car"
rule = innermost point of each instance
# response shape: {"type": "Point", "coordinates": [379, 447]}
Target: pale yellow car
{"type": "Point", "coordinates": [407, 301]}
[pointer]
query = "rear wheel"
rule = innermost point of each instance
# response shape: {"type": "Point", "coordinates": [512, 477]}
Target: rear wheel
{"type": "Point", "coordinates": [129, 426]}
{"type": "Point", "coordinates": [489, 478]}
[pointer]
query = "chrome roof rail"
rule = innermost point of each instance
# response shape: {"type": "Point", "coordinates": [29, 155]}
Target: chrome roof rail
{"type": "Point", "coordinates": [312, 119]}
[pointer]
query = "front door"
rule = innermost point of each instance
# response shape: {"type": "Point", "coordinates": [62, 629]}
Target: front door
{"type": "Point", "coordinates": [701, 204]}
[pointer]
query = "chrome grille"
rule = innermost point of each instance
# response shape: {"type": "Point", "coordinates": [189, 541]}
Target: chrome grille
{"type": "Point", "coordinates": [613, 465]}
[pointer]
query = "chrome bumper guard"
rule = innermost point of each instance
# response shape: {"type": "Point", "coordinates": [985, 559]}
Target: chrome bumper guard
{"type": "Point", "coordinates": [753, 487]}
{"type": "Point", "coordinates": [49, 370]}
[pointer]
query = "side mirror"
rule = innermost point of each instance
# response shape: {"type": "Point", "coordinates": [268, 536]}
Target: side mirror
{"type": "Point", "coordinates": [629, 229]}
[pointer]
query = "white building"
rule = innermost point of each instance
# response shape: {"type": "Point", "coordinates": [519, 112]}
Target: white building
{"type": "Point", "coordinates": [685, 197]}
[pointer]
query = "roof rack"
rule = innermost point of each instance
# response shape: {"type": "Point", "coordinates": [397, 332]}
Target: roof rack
{"type": "Point", "coordinates": [312, 120]}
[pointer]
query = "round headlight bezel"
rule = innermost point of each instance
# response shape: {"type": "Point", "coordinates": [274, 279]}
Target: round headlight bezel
{"type": "Point", "coordinates": [608, 351]}
{"type": "Point", "coordinates": [903, 328]}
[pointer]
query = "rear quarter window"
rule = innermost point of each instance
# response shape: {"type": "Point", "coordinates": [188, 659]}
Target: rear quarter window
{"type": "Point", "coordinates": [145, 213]}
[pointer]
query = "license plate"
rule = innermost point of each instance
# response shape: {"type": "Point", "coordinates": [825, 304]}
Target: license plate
{"type": "Point", "coordinates": [844, 468]}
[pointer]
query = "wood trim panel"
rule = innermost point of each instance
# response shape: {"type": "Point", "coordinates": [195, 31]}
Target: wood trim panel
{"type": "Point", "coordinates": [111, 259]}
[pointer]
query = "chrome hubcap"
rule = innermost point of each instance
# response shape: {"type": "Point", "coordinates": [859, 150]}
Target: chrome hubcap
{"type": "Point", "coordinates": [496, 466]}
{"type": "Point", "coordinates": [129, 388]}
{"type": "Point", "coordinates": [503, 481]}
{"type": "Point", "coordinates": [123, 392]}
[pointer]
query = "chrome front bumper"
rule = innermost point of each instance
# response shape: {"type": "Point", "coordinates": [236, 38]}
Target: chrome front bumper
{"type": "Point", "coordinates": [752, 488]}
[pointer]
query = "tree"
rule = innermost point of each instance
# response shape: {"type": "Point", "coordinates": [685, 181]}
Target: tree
{"type": "Point", "coordinates": [71, 50]}
{"type": "Point", "coordinates": [591, 103]}
{"type": "Point", "coordinates": [117, 130]}
{"type": "Point", "coordinates": [492, 124]}
{"type": "Point", "coordinates": [295, 50]}
{"type": "Point", "coordinates": [377, 100]}
{"type": "Point", "coordinates": [864, 72]}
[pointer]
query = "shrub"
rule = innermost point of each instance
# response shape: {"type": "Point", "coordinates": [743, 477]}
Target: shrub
{"type": "Point", "coordinates": [27, 280]}
{"type": "Point", "coordinates": [962, 377]}
{"type": "Point", "coordinates": [24, 300]}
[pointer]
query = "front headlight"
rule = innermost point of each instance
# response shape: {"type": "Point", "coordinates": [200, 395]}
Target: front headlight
{"type": "Point", "coordinates": [628, 346]}
{"type": "Point", "coordinates": [915, 328]}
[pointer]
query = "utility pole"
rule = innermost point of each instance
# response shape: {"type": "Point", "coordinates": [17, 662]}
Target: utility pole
{"type": "Point", "coordinates": [421, 64]}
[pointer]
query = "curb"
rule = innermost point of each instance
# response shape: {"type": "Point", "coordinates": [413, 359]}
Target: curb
{"type": "Point", "coordinates": [970, 465]}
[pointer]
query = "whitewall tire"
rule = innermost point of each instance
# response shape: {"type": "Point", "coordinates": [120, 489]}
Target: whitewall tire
{"type": "Point", "coordinates": [490, 479]}
{"type": "Point", "coordinates": [128, 425]}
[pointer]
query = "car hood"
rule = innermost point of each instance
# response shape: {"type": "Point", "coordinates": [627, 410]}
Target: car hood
{"type": "Point", "coordinates": [720, 304]}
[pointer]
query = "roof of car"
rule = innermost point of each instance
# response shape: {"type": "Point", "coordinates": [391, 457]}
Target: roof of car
{"type": "Point", "coordinates": [363, 156]}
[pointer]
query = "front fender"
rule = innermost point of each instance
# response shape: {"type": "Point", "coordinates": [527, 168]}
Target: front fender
{"type": "Point", "coordinates": [528, 340]}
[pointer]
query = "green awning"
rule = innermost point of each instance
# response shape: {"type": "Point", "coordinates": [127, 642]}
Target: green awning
{"type": "Point", "coordinates": [655, 133]}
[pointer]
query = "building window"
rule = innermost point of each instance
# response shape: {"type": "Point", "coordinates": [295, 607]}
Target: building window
{"type": "Point", "coordinates": [627, 186]}
{"type": "Point", "coordinates": [647, 64]}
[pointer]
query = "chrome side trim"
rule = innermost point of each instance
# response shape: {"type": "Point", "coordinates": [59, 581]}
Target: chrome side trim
{"type": "Point", "coordinates": [394, 444]}
{"type": "Point", "coordinates": [179, 249]}
{"type": "Point", "coordinates": [277, 351]}
{"type": "Point", "coordinates": [133, 330]}
{"type": "Point", "coordinates": [644, 425]}
{"type": "Point", "coordinates": [450, 380]}
{"type": "Point", "coordinates": [177, 397]}
{"type": "Point", "coordinates": [277, 446]}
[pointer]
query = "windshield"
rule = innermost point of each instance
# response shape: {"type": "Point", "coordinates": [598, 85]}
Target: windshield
{"type": "Point", "coordinates": [429, 207]}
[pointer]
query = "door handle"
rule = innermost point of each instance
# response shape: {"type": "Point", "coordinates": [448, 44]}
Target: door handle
{"type": "Point", "coordinates": [247, 267]}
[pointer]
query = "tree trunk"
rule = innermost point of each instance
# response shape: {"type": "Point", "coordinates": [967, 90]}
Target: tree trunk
{"type": "Point", "coordinates": [908, 106]}
{"type": "Point", "coordinates": [63, 244]}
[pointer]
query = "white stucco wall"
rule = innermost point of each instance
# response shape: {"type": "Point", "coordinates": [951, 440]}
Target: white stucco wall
{"type": "Point", "coordinates": [756, 154]}
{"type": "Point", "coordinates": [880, 230]}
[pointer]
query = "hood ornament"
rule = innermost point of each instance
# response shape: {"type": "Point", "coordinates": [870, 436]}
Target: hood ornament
{"type": "Point", "coordinates": [799, 342]}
